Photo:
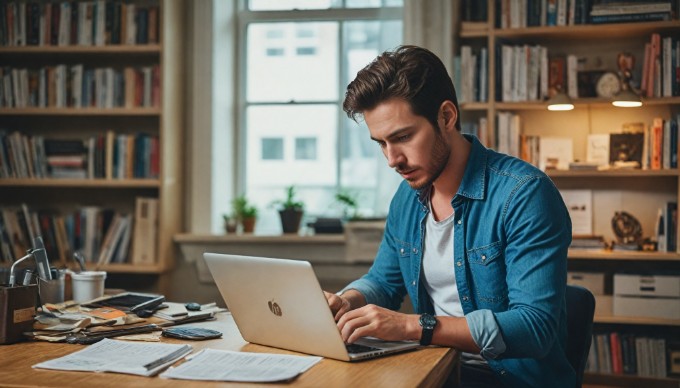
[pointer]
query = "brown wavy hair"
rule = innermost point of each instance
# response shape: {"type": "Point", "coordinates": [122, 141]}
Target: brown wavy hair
{"type": "Point", "coordinates": [411, 73]}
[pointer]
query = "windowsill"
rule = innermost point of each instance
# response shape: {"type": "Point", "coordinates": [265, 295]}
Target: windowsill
{"type": "Point", "coordinates": [188, 238]}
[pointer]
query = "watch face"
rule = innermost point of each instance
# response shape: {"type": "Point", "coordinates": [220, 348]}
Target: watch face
{"type": "Point", "coordinates": [608, 85]}
{"type": "Point", "coordinates": [427, 321]}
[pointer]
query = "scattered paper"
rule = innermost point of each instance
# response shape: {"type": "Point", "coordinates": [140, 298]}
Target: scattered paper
{"type": "Point", "coordinates": [225, 365]}
{"type": "Point", "coordinates": [137, 358]}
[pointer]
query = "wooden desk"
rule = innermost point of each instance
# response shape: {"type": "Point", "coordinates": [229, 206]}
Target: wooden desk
{"type": "Point", "coordinates": [420, 368]}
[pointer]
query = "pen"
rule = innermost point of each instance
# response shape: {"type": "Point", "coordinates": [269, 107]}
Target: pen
{"type": "Point", "coordinates": [167, 358]}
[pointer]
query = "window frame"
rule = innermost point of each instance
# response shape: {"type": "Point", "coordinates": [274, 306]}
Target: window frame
{"type": "Point", "coordinates": [246, 17]}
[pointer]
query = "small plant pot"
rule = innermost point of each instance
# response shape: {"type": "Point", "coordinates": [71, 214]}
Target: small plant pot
{"type": "Point", "coordinates": [248, 224]}
{"type": "Point", "coordinates": [230, 226]}
{"type": "Point", "coordinates": [290, 220]}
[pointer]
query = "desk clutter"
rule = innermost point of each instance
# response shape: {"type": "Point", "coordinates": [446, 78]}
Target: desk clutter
{"type": "Point", "coordinates": [98, 319]}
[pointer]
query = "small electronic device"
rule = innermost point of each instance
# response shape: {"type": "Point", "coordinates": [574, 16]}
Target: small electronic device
{"type": "Point", "coordinates": [130, 302]}
{"type": "Point", "coordinates": [191, 333]}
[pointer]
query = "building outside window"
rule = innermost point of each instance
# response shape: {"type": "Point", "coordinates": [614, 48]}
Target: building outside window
{"type": "Point", "coordinates": [299, 57]}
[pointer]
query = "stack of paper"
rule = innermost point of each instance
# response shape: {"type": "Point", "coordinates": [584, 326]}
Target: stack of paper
{"type": "Point", "coordinates": [225, 365]}
{"type": "Point", "coordinates": [145, 359]}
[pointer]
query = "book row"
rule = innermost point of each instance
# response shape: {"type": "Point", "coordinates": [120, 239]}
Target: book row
{"type": "Point", "coordinates": [530, 13]}
{"type": "Point", "coordinates": [628, 354]}
{"type": "Point", "coordinates": [87, 23]}
{"type": "Point", "coordinates": [76, 86]}
{"type": "Point", "coordinates": [105, 156]}
{"type": "Point", "coordinates": [102, 235]}
{"type": "Point", "coordinates": [661, 67]}
{"type": "Point", "coordinates": [540, 13]}
{"type": "Point", "coordinates": [652, 146]}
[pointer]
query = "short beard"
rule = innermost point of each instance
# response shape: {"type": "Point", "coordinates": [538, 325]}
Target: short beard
{"type": "Point", "coordinates": [440, 158]}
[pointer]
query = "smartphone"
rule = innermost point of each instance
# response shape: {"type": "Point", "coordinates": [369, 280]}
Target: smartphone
{"type": "Point", "coordinates": [130, 301]}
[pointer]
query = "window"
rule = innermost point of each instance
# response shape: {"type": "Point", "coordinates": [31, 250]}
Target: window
{"type": "Point", "coordinates": [305, 148]}
{"type": "Point", "coordinates": [272, 148]}
{"type": "Point", "coordinates": [292, 94]}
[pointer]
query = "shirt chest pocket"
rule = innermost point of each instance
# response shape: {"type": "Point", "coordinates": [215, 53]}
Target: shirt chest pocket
{"type": "Point", "coordinates": [488, 272]}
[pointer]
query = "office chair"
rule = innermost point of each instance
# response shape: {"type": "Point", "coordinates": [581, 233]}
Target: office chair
{"type": "Point", "coordinates": [580, 312]}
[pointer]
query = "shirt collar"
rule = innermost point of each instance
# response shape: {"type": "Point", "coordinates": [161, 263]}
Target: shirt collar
{"type": "Point", "coordinates": [474, 179]}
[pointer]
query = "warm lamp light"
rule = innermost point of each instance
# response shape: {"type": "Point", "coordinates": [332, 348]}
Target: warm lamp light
{"type": "Point", "coordinates": [626, 97]}
{"type": "Point", "coordinates": [560, 101]}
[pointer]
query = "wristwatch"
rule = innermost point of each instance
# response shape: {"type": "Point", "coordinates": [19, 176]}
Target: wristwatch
{"type": "Point", "coordinates": [427, 322]}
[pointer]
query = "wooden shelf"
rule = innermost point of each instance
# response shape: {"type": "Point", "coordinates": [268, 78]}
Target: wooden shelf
{"type": "Point", "coordinates": [588, 31]}
{"type": "Point", "coordinates": [622, 173]}
{"type": "Point", "coordinates": [129, 268]}
{"type": "Point", "coordinates": [474, 106]}
{"type": "Point", "coordinates": [80, 111]}
{"type": "Point", "coordinates": [80, 50]}
{"type": "Point", "coordinates": [637, 321]}
{"type": "Point", "coordinates": [89, 183]}
{"type": "Point", "coordinates": [581, 103]}
{"type": "Point", "coordinates": [165, 121]}
{"type": "Point", "coordinates": [629, 381]}
{"type": "Point", "coordinates": [584, 254]}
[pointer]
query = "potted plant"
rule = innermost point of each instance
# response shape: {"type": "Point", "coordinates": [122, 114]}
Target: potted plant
{"type": "Point", "coordinates": [349, 203]}
{"type": "Point", "coordinates": [230, 223]}
{"type": "Point", "coordinates": [245, 213]}
{"type": "Point", "coordinates": [291, 211]}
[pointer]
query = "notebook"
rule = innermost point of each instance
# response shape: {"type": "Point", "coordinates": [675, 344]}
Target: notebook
{"type": "Point", "coordinates": [279, 303]}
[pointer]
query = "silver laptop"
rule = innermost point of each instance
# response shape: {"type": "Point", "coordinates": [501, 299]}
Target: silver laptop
{"type": "Point", "coordinates": [279, 303]}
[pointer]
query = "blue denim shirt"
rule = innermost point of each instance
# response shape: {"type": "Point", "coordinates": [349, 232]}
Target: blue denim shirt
{"type": "Point", "coordinates": [511, 235]}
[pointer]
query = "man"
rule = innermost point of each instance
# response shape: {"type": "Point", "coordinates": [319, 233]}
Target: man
{"type": "Point", "coordinates": [477, 239]}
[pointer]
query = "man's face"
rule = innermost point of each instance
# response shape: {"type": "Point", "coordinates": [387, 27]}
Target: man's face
{"type": "Point", "coordinates": [410, 144]}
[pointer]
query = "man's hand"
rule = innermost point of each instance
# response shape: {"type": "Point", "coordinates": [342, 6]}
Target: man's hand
{"type": "Point", "coordinates": [374, 321]}
{"type": "Point", "coordinates": [339, 305]}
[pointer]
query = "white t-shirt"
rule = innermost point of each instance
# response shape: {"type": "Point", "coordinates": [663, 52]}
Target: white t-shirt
{"type": "Point", "coordinates": [439, 275]}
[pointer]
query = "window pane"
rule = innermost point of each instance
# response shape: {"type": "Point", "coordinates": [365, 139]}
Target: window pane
{"type": "Point", "coordinates": [374, 3]}
{"type": "Point", "coordinates": [272, 149]}
{"type": "Point", "coordinates": [363, 167]}
{"type": "Point", "coordinates": [309, 157]}
{"type": "Point", "coordinates": [305, 148]}
{"type": "Point", "coordinates": [282, 5]}
{"type": "Point", "coordinates": [302, 65]}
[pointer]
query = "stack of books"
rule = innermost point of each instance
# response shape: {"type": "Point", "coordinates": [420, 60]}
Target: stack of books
{"type": "Point", "coordinates": [587, 242]}
{"type": "Point", "coordinates": [630, 11]}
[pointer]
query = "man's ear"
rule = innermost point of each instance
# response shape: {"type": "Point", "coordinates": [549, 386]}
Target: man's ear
{"type": "Point", "coordinates": [448, 115]}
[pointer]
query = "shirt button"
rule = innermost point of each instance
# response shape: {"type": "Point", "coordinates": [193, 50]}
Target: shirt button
{"type": "Point", "coordinates": [503, 372]}
{"type": "Point", "coordinates": [415, 250]}
{"type": "Point", "coordinates": [460, 222]}
{"type": "Point", "coordinates": [413, 283]}
{"type": "Point", "coordinates": [401, 251]}
{"type": "Point", "coordinates": [459, 263]}
{"type": "Point", "coordinates": [465, 298]}
{"type": "Point", "coordinates": [483, 257]}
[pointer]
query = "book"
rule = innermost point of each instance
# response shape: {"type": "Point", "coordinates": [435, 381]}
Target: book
{"type": "Point", "coordinates": [145, 231]}
{"type": "Point", "coordinates": [580, 207]}
{"type": "Point", "coordinates": [631, 18]}
{"type": "Point", "coordinates": [555, 153]}
{"type": "Point", "coordinates": [626, 147]}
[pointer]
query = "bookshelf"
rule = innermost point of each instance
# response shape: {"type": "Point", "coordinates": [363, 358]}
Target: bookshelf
{"type": "Point", "coordinates": [156, 110]}
{"type": "Point", "coordinates": [638, 191]}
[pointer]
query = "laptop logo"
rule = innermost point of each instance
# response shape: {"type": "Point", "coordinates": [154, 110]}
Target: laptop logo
{"type": "Point", "coordinates": [275, 308]}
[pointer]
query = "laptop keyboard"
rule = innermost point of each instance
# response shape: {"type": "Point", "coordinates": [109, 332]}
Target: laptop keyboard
{"type": "Point", "coordinates": [355, 348]}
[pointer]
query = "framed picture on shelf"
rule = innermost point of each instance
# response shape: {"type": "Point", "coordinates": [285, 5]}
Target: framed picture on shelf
{"type": "Point", "coordinates": [626, 148]}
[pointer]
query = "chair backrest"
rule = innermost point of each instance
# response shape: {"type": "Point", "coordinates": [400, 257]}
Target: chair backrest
{"type": "Point", "coordinates": [580, 312]}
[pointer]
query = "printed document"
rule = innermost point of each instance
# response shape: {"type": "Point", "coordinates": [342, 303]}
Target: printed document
{"type": "Point", "coordinates": [225, 365]}
{"type": "Point", "coordinates": [107, 355]}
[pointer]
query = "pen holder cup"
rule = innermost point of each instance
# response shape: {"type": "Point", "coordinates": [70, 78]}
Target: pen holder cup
{"type": "Point", "coordinates": [87, 285]}
{"type": "Point", "coordinates": [17, 310]}
{"type": "Point", "coordinates": [52, 291]}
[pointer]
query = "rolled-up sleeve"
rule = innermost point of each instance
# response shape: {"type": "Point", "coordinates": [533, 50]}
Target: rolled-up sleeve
{"type": "Point", "coordinates": [486, 333]}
